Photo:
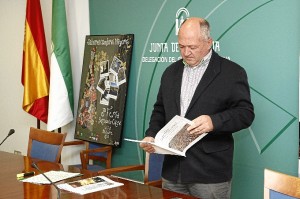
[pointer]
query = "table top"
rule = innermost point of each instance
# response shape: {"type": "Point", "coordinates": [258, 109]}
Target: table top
{"type": "Point", "coordinates": [11, 188]}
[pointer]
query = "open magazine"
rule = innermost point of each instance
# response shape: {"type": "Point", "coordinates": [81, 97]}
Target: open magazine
{"type": "Point", "coordinates": [89, 185]}
{"type": "Point", "coordinates": [173, 138]}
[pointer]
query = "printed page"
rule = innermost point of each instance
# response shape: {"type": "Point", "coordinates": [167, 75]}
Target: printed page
{"type": "Point", "coordinates": [174, 138]}
{"type": "Point", "coordinates": [176, 125]}
{"type": "Point", "coordinates": [54, 176]}
{"type": "Point", "coordinates": [90, 185]}
{"type": "Point", "coordinates": [166, 150]}
{"type": "Point", "coordinates": [158, 148]}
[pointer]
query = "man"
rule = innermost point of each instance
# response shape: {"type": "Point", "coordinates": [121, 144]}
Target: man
{"type": "Point", "coordinates": [214, 93]}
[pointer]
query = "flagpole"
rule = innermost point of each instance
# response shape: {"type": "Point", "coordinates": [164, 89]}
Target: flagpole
{"type": "Point", "coordinates": [38, 123]}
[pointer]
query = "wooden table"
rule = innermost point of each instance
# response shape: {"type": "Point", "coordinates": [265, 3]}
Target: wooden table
{"type": "Point", "coordinates": [11, 188]}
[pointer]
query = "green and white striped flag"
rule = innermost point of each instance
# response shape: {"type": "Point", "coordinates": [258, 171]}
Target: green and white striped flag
{"type": "Point", "coordinates": [61, 99]}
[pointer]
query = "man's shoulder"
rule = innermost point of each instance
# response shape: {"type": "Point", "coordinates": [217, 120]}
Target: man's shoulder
{"type": "Point", "coordinates": [224, 62]}
{"type": "Point", "coordinates": [175, 66]}
{"type": "Point", "coordinates": [178, 63]}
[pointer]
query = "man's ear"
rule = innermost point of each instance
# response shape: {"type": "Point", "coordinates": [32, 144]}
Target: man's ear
{"type": "Point", "coordinates": [209, 43]}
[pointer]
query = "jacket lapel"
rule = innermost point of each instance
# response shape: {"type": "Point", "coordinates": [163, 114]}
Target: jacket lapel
{"type": "Point", "coordinates": [177, 85]}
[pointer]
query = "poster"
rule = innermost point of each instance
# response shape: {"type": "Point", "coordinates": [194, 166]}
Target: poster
{"type": "Point", "coordinates": [103, 88]}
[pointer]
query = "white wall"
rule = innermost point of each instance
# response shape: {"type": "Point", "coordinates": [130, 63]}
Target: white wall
{"type": "Point", "coordinates": [12, 116]}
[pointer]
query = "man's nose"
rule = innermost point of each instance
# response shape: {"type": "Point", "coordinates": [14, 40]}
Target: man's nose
{"type": "Point", "coordinates": [187, 51]}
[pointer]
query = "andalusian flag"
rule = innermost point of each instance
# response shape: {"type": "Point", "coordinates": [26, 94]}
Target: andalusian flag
{"type": "Point", "coordinates": [61, 100]}
{"type": "Point", "coordinates": [35, 68]}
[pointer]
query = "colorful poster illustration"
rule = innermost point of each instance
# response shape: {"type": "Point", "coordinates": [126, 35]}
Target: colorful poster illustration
{"type": "Point", "coordinates": [103, 88]}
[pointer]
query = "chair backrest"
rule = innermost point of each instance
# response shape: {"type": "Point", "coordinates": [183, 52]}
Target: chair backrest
{"type": "Point", "coordinates": [45, 145]}
{"type": "Point", "coordinates": [96, 152]}
{"type": "Point", "coordinates": [91, 146]}
{"type": "Point", "coordinates": [280, 186]}
{"type": "Point", "coordinates": [152, 169]}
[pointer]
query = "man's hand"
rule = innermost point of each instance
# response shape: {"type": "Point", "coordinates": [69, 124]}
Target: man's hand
{"type": "Point", "coordinates": [201, 124]}
{"type": "Point", "coordinates": [147, 147]}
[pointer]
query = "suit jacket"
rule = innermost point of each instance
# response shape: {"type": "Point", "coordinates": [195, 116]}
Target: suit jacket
{"type": "Point", "coordinates": [223, 94]}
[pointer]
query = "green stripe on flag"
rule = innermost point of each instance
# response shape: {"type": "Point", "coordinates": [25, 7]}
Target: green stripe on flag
{"type": "Point", "coordinates": [61, 100]}
{"type": "Point", "coordinates": [60, 40]}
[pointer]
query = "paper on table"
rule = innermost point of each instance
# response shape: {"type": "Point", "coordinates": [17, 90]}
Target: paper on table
{"type": "Point", "coordinates": [54, 176]}
{"type": "Point", "coordinates": [89, 185]}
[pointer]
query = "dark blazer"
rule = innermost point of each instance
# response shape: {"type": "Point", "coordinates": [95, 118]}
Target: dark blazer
{"type": "Point", "coordinates": [223, 94]}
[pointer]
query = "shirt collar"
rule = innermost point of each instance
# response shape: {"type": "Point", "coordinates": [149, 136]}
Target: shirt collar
{"type": "Point", "coordinates": [204, 61]}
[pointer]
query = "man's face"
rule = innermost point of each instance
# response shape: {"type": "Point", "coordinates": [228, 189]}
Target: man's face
{"type": "Point", "coordinates": [193, 47]}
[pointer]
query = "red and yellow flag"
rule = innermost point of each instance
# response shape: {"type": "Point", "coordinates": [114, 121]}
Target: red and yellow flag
{"type": "Point", "coordinates": [35, 68]}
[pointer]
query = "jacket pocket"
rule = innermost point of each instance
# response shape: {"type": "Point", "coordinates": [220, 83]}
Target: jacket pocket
{"type": "Point", "coordinates": [217, 143]}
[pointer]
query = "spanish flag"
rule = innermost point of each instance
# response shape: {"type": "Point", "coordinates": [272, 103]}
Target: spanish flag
{"type": "Point", "coordinates": [35, 68]}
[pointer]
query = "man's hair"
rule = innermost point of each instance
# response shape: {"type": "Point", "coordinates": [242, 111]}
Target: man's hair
{"type": "Point", "coordinates": [205, 29]}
